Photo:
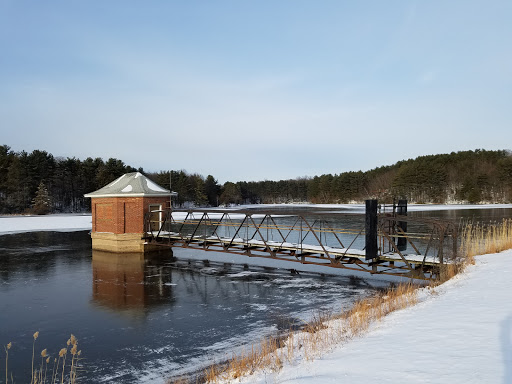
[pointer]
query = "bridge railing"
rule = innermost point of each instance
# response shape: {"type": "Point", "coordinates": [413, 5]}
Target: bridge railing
{"type": "Point", "coordinates": [405, 245]}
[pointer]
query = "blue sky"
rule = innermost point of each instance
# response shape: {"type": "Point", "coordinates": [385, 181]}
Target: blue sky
{"type": "Point", "coordinates": [253, 90]}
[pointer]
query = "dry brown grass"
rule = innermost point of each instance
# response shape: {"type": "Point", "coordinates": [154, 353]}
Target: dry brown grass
{"type": "Point", "coordinates": [60, 372]}
{"type": "Point", "coordinates": [480, 239]}
{"type": "Point", "coordinates": [321, 334]}
{"type": "Point", "coordinates": [448, 271]}
{"type": "Point", "coordinates": [366, 311]}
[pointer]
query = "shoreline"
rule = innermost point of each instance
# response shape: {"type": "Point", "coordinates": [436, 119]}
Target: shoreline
{"type": "Point", "coordinates": [54, 222]}
{"type": "Point", "coordinates": [458, 332]}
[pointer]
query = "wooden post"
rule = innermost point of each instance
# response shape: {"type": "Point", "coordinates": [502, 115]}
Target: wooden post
{"type": "Point", "coordinates": [371, 229]}
{"type": "Point", "coordinates": [402, 211]}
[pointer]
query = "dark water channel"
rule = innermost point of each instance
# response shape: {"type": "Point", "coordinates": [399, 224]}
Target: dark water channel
{"type": "Point", "coordinates": [145, 320]}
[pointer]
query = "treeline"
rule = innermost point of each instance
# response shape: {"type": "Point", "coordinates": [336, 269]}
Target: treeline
{"type": "Point", "coordinates": [194, 189]}
{"type": "Point", "coordinates": [38, 181]}
{"type": "Point", "coordinates": [478, 176]}
{"type": "Point", "coordinates": [63, 181]}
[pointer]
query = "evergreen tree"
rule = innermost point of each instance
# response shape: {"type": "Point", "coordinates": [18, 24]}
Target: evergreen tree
{"type": "Point", "coordinates": [212, 190]}
{"type": "Point", "coordinates": [231, 194]}
{"type": "Point", "coordinates": [5, 160]}
{"type": "Point", "coordinates": [42, 201]}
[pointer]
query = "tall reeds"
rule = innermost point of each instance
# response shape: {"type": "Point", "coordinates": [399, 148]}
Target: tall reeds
{"type": "Point", "coordinates": [61, 372]}
{"type": "Point", "coordinates": [36, 335]}
{"type": "Point", "coordinates": [479, 238]}
{"type": "Point", "coordinates": [7, 347]}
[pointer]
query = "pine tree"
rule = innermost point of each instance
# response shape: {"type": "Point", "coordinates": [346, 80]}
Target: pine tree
{"type": "Point", "coordinates": [212, 190]}
{"type": "Point", "coordinates": [231, 194]}
{"type": "Point", "coordinates": [42, 202]}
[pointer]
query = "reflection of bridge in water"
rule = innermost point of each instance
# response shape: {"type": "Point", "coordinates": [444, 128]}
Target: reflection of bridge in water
{"type": "Point", "coordinates": [379, 242]}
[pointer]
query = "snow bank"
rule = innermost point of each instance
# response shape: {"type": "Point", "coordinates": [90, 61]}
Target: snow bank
{"type": "Point", "coordinates": [461, 333]}
{"type": "Point", "coordinates": [63, 223]}
{"type": "Point", "coordinates": [443, 207]}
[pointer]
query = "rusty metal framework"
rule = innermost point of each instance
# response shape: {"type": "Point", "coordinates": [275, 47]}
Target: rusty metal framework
{"type": "Point", "coordinates": [312, 239]}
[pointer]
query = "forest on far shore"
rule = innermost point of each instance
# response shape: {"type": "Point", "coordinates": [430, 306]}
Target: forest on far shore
{"type": "Point", "coordinates": [39, 182]}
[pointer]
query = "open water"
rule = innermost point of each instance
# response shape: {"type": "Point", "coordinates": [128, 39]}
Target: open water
{"type": "Point", "coordinates": [145, 320]}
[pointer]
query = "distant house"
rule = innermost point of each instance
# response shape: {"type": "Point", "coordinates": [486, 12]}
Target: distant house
{"type": "Point", "coordinates": [119, 210]}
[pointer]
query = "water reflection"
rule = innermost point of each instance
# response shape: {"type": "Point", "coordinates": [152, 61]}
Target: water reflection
{"type": "Point", "coordinates": [34, 255]}
{"type": "Point", "coordinates": [129, 282]}
{"type": "Point", "coordinates": [464, 215]}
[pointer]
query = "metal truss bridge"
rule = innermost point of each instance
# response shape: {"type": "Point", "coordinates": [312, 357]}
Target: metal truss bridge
{"type": "Point", "coordinates": [377, 242]}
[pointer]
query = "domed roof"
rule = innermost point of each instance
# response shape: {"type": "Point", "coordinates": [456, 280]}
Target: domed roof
{"type": "Point", "coordinates": [133, 184]}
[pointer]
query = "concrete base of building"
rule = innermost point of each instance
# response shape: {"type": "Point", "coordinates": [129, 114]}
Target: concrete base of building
{"type": "Point", "coordinates": [112, 260]}
{"type": "Point", "coordinates": [121, 243]}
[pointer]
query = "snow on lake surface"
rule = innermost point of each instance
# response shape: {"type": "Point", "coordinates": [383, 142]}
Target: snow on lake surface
{"type": "Point", "coordinates": [360, 208]}
{"type": "Point", "coordinates": [460, 334]}
{"type": "Point", "coordinates": [64, 222]}
{"type": "Point", "coordinates": [77, 222]}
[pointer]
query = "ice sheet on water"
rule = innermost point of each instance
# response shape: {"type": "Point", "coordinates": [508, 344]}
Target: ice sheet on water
{"type": "Point", "coordinates": [308, 283]}
{"type": "Point", "coordinates": [259, 307]}
{"type": "Point", "coordinates": [238, 341]}
{"type": "Point", "coordinates": [23, 249]}
{"type": "Point", "coordinates": [156, 371]}
{"type": "Point", "coordinates": [242, 275]}
{"type": "Point", "coordinates": [250, 275]}
{"type": "Point", "coordinates": [210, 271]}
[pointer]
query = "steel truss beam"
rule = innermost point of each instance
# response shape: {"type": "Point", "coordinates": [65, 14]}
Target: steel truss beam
{"type": "Point", "coordinates": [210, 230]}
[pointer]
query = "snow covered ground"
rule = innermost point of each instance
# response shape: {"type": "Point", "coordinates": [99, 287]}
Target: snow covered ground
{"type": "Point", "coordinates": [460, 334]}
{"type": "Point", "coordinates": [64, 223]}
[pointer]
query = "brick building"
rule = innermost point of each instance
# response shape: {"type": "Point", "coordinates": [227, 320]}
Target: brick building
{"type": "Point", "coordinates": [119, 210]}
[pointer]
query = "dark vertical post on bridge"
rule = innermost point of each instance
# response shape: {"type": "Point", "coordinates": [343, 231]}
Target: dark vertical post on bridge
{"type": "Point", "coordinates": [371, 229]}
{"type": "Point", "coordinates": [402, 225]}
